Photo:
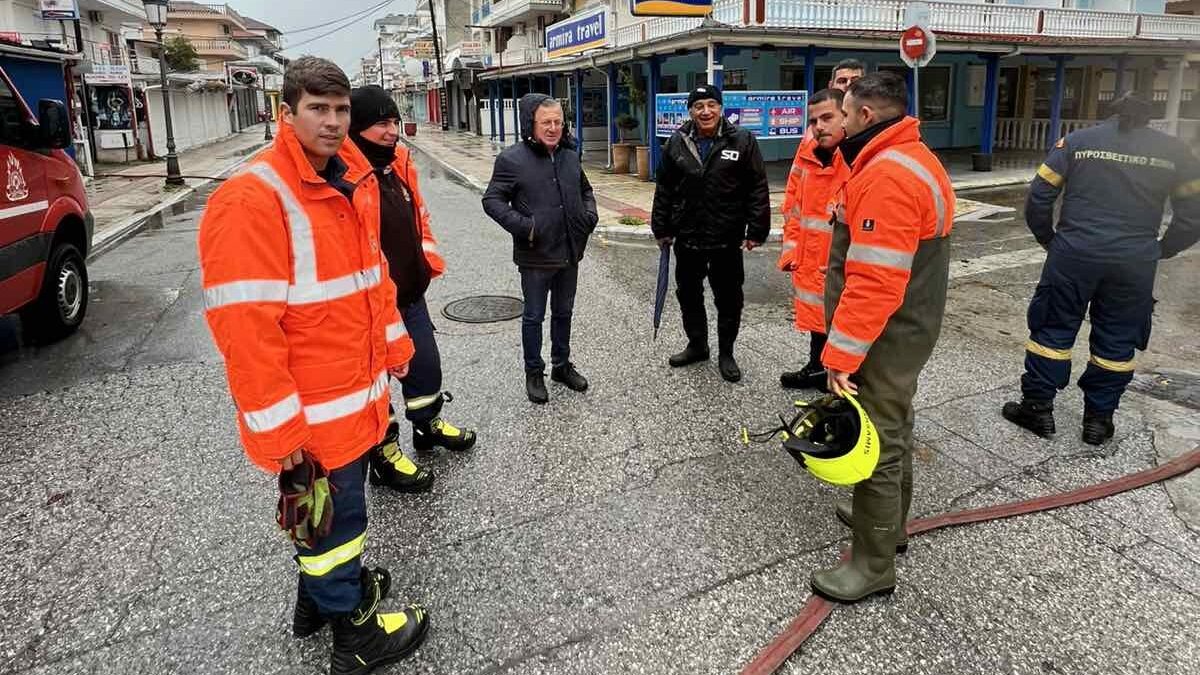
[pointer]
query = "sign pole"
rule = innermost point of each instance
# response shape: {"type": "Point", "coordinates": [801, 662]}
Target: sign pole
{"type": "Point", "coordinates": [917, 90]}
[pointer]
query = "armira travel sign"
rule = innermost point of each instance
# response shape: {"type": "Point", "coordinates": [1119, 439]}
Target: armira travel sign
{"type": "Point", "coordinates": [580, 33]}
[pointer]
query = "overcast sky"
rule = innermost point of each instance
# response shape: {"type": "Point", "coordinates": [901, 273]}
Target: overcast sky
{"type": "Point", "coordinates": [345, 46]}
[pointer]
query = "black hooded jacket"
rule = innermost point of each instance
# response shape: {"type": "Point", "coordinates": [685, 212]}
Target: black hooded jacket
{"type": "Point", "coordinates": [715, 203]}
{"type": "Point", "coordinates": [543, 199]}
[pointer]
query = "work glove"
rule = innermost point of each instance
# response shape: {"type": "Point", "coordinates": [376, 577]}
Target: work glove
{"type": "Point", "coordinates": [305, 508]}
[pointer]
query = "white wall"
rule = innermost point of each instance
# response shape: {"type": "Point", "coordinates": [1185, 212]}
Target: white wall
{"type": "Point", "coordinates": [197, 118]}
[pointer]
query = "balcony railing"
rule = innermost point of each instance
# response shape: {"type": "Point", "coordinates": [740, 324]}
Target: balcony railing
{"type": "Point", "coordinates": [520, 57]}
{"type": "Point", "coordinates": [220, 47]}
{"type": "Point", "coordinates": [206, 11]}
{"type": "Point", "coordinates": [955, 17]}
{"type": "Point", "coordinates": [499, 13]}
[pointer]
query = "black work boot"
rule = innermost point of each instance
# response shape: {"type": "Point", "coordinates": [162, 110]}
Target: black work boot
{"type": "Point", "coordinates": [845, 513]}
{"type": "Point", "coordinates": [307, 619]}
{"type": "Point", "coordinates": [535, 386]}
{"type": "Point", "coordinates": [811, 376]}
{"type": "Point", "coordinates": [729, 368]}
{"type": "Point", "coordinates": [1036, 416]}
{"type": "Point", "coordinates": [566, 374]}
{"type": "Point", "coordinates": [366, 639]}
{"type": "Point", "coordinates": [440, 433]}
{"type": "Point", "coordinates": [1097, 427]}
{"type": "Point", "coordinates": [689, 356]}
{"type": "Point", "coordinates": [390, 467]}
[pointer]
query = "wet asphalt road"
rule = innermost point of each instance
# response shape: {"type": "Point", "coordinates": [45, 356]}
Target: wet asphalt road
{"type": "Point", "coordinates": [621, 531]}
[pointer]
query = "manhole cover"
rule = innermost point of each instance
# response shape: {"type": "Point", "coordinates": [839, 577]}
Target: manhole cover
{"type": "Point", "coordinates": [484, 309]}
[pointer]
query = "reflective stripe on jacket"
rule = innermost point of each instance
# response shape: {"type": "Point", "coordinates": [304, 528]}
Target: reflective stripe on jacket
{"type": "Point", "coordinates": [808, 209]}
{"type": "Point", "coordinates": [897, 197]}
{"type": "Point", "coordinates": [407, 171]}
{"type": "Point", "coordinates": [301, 307]}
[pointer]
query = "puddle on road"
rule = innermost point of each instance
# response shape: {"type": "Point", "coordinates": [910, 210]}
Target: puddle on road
{"type": "Point", "coordinates": [1173, 386]}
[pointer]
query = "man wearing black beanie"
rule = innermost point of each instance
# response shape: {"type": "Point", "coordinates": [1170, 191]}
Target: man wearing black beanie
{"type": "Point", "coordinates": [413, 261]}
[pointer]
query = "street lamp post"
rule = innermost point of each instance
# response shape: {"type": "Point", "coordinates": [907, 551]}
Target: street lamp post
{"type": "Point", "coordinates": [156, 16]}
{"type": "Point", "coordinates": [266, 103]}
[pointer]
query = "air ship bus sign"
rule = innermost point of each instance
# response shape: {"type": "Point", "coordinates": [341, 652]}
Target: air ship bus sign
{"type": "Point", "coordinates": [577, 34]}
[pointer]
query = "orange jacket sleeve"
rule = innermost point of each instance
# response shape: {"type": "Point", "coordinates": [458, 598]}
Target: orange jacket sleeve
{"type": "Point", "coordinates": [437, 264]}
{"type": "Point", "coordinates": [792, 204]}
{"type": "Point", "coordinates": [885, 230]}
{"type": "Point", "coordinates": [245, 263]}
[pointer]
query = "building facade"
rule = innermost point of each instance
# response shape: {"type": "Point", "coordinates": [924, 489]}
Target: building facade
{"type": "Point", "coordinates": [1005, 77]}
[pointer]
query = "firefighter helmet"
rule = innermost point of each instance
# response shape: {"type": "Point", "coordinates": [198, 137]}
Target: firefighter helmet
{"type": "Point", "coordinates": [834, 439]}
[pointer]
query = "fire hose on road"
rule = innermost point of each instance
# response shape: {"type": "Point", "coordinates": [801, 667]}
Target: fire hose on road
{"type": "Point", "coordinates": [817, 609]}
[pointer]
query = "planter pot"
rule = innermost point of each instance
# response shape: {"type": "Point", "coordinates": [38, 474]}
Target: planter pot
{"type": "Point", "coordinates": [643, 162]}
{"type": "Point", "coordinates": [981, 162]}
{"type": "Point", "coordinates": [622, 153]}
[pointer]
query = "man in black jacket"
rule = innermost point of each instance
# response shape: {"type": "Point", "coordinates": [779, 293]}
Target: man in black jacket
{"type": "Point", "coordinates": [540, 195]}
{"type": "Point", "coordinates": [711, 200]}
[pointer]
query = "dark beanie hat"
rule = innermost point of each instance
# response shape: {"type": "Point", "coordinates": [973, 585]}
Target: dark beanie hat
{"type": "Point", "coordinates": [704, 91]}
{"type": "Point", "coordinates": [369, 105]}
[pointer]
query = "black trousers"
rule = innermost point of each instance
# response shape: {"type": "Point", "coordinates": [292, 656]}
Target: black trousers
{"type": "Point", "coordinates": [726, 273]}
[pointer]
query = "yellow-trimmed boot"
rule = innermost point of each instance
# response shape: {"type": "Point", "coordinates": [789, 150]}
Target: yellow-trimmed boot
{"type": "Point", "coordinates": [391, 468]}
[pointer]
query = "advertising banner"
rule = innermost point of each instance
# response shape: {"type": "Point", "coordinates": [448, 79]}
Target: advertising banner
{"type": "Point", "coordinates": [766, 114]}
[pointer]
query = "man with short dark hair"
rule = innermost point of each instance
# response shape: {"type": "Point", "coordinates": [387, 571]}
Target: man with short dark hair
{"type": "Point", "coordinates": [885, 295]}
{"type": "Point", "coordinates": [845, 73]}
{"type": "Point", "coordinates": [813, 188]}
{"type": "Point", "coordinates": [541, 196]}
{"type": "Point", "coordinates": [297, 296]}
{"type": "Point", "coordinates": [710, 200]}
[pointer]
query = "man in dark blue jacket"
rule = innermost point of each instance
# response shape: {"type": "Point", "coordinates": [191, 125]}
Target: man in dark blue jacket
{"type": "Point", "coordinates": [1115, 179]}
{"type": "Point", "coordinates": [540, 195]}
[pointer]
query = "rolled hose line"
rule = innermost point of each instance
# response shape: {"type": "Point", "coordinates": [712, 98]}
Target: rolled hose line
{"type": "Point", "coordinates": [817, 609]}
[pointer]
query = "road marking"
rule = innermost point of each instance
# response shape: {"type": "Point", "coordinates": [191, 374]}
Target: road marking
{"type": "Point", "coordinates": [31, 207]}
{"type": "Point", "coordinates": [996, 261]}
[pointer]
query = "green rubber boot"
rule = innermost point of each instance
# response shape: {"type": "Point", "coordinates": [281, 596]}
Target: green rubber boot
{"type": "Point", "coordinates": [871, 568]}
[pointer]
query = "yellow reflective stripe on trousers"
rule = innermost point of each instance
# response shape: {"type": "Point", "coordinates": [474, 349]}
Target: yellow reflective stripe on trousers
{"type": "Point", "coordinates": [324, 563]}
{"type": "Point", "coordinates": [1114, 366]}
{"type": "Point", "coordinates": [395, 331]}
{"type": "Point", "coordinates": [273, 416]}
{"type": "Point", "coordinates": [1048, 352]}
{"type": "Point", "coordinates": [848, 344]}
{"type": "Point", "coordinates": [808, 298]}
{"type": "Point", "coordinates": [348, 404]}
{"type": "Point", "coordinates": [421, 401]}
{"type": "Point", "coordinates": [918, 170]}
{"type": "Point", "coordinates": [1050, 176]}
{"type": "Point", "coordinates": [250, 290]}
{"type": "Point", "coordinates": [304, 252]}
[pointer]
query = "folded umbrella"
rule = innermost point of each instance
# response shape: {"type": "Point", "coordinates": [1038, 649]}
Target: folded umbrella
{"type": "Point", "coordinates": [660, 294]}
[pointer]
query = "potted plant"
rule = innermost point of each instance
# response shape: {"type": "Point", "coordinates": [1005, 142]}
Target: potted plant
{"type": "Point", "coordinates": [623, 150]}
{"type": "Point", "coordinates": [410, 123]}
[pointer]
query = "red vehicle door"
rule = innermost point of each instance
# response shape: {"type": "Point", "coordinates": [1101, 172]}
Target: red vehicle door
{"type": "Point", "coordinates": [23, 203]}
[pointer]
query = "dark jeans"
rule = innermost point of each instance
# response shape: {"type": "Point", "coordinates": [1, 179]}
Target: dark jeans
{"type": "Point", "coordinates": [330, 570]}
{"type": "Point", "coordinates": [536, 285]}
{"type": "Point", "coordinates": [422, 386]}
{"type": "Point", "coordinates": [725, 273]}
{"type": "Point", "coordinates": [816, 345]}
{"type": "Point", "coordinates": [1118, 296]}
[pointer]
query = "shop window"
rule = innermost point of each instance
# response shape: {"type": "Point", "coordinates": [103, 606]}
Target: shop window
{"type": "Point", "coordinates": [669, 84]}
{"type": "Point", "coordinates": [791, 77]}
{"type": "Point", "coordinates": [1006, 99]}
{"type": "Point", "coordinates": [735, 79]}
{"type": "Point", "coordinates": [1044, 93]}
{"type": "Point", "coordinates": [935, 91]}
{"type": "Point", "coordinates": [111, 108]}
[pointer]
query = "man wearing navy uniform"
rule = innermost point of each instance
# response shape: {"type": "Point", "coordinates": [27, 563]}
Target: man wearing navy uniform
{"type": "Point", "coordinates": [1114, 179]}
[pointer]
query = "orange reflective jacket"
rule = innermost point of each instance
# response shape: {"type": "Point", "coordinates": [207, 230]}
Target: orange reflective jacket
{"type": "Point", "coordinates": [300, 304]}
{"type": "Point", "coordinates": [407, 171]}
{"type": "Point", "coordinates": [808, 206]}
{"type": "Point", "coordinates": [898, 195]}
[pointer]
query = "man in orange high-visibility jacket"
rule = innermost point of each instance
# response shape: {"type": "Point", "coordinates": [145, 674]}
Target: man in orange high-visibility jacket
{"type": "Point", "coordinates": [885, 295]}
{"type": "Point", "coordinates": [813, 186]}
{"type": "Point", "coordinates": [298, 298]}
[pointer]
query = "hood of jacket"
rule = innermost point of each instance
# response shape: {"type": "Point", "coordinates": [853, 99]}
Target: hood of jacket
{"type": "Point", "coordinates": [526, 107]}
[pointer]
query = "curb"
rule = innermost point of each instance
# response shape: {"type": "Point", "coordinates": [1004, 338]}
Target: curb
{"type": "Point", "coordinates": [449, 168]}
{"type": "Point", "coordinates": [131, 226]}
